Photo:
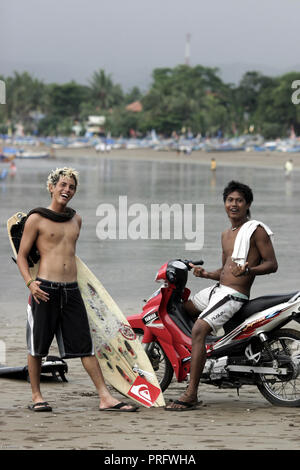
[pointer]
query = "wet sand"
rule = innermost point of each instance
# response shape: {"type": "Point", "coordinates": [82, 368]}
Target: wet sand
{"type": "Point", "coordinates": [268, 159]}
{"type": "Point", "coordinates": [224, 422]}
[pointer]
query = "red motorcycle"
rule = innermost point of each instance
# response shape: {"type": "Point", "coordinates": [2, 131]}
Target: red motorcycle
{"type": "Point", "coordinates": [254, 349]}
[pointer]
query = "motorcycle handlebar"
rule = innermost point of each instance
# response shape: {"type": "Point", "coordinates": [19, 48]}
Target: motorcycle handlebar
{"type": "Point", "coordinates": [196, 263]}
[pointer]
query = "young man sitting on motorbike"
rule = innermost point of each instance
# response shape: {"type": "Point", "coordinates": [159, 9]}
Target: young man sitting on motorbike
{"type": "Point", "coordinates": [215, 305]}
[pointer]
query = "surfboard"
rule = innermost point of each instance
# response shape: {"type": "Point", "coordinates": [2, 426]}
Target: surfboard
{"type": "Point", "coordinates": [123, 361]}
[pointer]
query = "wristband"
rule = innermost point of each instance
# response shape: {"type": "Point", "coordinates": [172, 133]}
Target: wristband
{"type": "Point", "coordinates": [29, 282]}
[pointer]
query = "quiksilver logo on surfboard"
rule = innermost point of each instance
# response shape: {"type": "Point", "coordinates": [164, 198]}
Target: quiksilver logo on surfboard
{"type": "Point", "coordinates": [144, 392]}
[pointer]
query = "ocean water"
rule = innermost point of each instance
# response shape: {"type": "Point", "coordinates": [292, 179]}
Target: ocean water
{"type": "Point", "coordinates": [127, 266]}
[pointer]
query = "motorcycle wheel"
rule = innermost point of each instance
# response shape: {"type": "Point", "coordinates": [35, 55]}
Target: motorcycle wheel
{"type": "Point", "coordinates": [160, 362]}
{"type": "Point", "coordinates": [283, 390]}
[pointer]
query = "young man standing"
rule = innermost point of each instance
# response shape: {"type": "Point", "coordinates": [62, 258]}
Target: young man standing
{"type": "Point", "coordinates": [215, 305]}
{"type": "Point", "coordinates": [56, 306]}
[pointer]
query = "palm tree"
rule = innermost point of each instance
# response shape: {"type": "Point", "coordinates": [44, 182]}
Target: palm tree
{"type": "Point", "coordinates": [105, 93]}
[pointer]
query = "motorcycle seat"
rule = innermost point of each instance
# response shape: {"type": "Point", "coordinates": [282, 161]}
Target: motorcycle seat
{"type": "Point", "coordinates": [179, 315]}
{"type": "Point", "coordinates": [254, 306]}
{"type": "Point", "coordinates": [185, 323]}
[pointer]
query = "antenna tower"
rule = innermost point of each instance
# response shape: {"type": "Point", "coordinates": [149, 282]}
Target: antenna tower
{"type": "Point", "coordinates": [187, 49]}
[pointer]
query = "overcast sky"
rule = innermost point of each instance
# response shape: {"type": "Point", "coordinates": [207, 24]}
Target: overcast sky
{"type": "Point", "coordinates": [61, 40]}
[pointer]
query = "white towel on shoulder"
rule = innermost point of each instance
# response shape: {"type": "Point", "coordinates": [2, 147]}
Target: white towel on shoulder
{"type": "Point", "coordinates": [242, 241]}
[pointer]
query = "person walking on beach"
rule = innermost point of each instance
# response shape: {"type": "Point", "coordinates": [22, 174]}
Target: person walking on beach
{"type": "Point", "coordinates": [213, 165]}
{"type": "Point", "coordinates": [55, 303]}
{"type": "Point", "coordinates": [253, 255]}
{"type": "Point", "coordinates": [288, 167]}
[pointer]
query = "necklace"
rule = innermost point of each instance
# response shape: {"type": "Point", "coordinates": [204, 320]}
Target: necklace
{"type": "Point", "coordinates": [238, 226]}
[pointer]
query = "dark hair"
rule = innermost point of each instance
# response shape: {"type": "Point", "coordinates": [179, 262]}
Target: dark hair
{"type": "Point", "coordinates": [240, 188]}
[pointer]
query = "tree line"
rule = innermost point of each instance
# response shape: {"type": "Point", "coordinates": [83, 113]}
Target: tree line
{"type": "Point", "coordinates": [183, 97]}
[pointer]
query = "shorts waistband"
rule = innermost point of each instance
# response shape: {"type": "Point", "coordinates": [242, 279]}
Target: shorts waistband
{"type": "Point", "coordinates": [233, 292]}
{"type": "Point", "coordinates": [70, 285]}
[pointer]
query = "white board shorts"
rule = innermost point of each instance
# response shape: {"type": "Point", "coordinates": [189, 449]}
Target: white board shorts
{"type": "Point", "coordinates": [218, 304]}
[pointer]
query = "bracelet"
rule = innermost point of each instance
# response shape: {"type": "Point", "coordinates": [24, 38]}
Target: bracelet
{"type": "Point", "coordinates": [29, 282]}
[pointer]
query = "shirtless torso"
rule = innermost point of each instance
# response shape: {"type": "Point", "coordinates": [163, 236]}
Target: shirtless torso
{"type": "Point", "coordinates": [55, 241]}
{"type": "Point", "coordinates": [260, 256]}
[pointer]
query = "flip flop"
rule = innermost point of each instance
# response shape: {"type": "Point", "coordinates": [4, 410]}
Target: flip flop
{"type": "Point", "coordinates": [187, 406]}
{"type": "Point", "coordinates": [119, 407]}
{"type": "Point", "coordinates": [42, 406]}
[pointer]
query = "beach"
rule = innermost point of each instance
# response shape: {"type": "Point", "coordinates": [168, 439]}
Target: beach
{"type": "Point", "coordinates": [226, 420]}
{"type": "Point", "coordinates": [265, 159]}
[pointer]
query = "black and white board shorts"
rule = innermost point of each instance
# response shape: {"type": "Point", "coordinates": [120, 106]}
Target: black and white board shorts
{"type": "Point", "coordinates": [218, 304]}
{"type": "Point", "coordinates": [64, 316]}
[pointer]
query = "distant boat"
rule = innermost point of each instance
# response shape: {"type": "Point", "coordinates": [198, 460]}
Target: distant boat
{"type": "Point", "coordinates": [294, 149]}
{"type": "Point", "coordinates": [7, 158]}
{"type": "Point", "coordinates": [78, 145]}
{"type": "Point", "coordinates": [8, 154]}
{"type": "Point", "coordinates": [22, 154]}
{"type": "Point", "coordinates": [224, 148]}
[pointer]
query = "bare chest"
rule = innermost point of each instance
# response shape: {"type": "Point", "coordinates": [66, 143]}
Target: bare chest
{"type": "Point", "coordinates": [228, 245]}
{"type": "Point", "coordinates": [55, 233]}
